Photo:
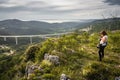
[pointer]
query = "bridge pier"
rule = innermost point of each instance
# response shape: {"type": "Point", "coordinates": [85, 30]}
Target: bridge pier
{"type": "Point", "coordinates": [5, 39]}
{"type": "Point", "coordinates": [16, 40]}
{"type": "Point", "coordinates": [31, 41]}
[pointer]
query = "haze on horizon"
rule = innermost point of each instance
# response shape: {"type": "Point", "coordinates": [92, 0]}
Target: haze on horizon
{"type": "Point", "coordinates": [58, 10]}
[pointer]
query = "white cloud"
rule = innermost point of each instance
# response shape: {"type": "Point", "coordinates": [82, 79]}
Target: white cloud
{"type": "Point", "coordinates": [56, 9]}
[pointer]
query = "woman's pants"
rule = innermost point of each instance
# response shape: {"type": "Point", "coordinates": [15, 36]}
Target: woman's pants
{"type": "Point", "coordinates": [101, 52]}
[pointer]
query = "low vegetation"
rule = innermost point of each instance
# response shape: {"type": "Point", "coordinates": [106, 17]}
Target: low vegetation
{"type": "Point", "coordinates": [78, 59]}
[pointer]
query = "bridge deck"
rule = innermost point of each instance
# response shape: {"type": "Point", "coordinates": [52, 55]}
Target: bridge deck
{"type": "Point", "coordinates": [30, 36]}
{"type": "Point", "coordinates": [44, 35]}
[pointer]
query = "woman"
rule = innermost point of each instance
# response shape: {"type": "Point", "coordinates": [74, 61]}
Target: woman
{"type": "Point", "coordinates": [102, 44]}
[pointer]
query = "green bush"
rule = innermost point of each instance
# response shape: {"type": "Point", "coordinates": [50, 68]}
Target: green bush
{"type": "Point", "coordinates": [46, 63]}
{"type": "Point", "coordinates": [31, 52]}
{"type": "Point", "coordinates": [48, 76]}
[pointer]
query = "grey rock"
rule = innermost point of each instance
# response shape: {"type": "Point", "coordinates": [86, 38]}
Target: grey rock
{"type": "Point", "coordinates": [52, 58]}
{"type": "Point", "coordinates": [30, 69]}
{"type": "Point", "coordinates": [64, 77]}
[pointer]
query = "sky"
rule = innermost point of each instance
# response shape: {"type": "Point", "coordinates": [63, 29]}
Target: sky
{"type": "Point", "coordinates": [58, 10]}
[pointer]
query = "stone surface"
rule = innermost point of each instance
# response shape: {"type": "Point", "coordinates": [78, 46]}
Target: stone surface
{"type": "Point", "coordinates": [52, 58]}
{"type": "Point", "coordinates": [30, 69]}
{"type": "Point", "coordinates": [64, 77]}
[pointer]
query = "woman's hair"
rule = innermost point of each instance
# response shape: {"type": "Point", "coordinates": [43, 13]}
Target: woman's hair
{"type": "Point", "coordinates": [103, 33]}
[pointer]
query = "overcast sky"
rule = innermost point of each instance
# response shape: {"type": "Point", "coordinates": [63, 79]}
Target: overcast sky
{"type": "Point", "coordinates": [62, 10]}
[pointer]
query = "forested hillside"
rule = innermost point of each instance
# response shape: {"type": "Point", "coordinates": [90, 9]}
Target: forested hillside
{"type": "Point", "coordinates": [102, 24]}
{"type": "Point", "coordinates": [19, 27]}
{"type": "Point", "coordinates": [73, 56]}
{"type": "Point", "coordinates": [107, 24]}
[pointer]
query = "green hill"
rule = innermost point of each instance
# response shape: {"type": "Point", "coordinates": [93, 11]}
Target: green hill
{"type": "Point", "coordinates": [107, 24]}
{"type": "Point", "coordinates": [102, 24]}
{"type": "Point", "coordinates": [74, 55]}
{"type": "Point", "coordinates": [19, 27]}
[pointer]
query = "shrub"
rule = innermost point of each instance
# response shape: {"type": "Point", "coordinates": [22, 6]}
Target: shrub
{"type": "Point", "coordinates": [31, 76]}
{"type": "Point", "coordinates": [30, 52]}
{"type": "Point", "coordinates": [46, 63]}
{"type": "Point", "coordinates": [48, 76]}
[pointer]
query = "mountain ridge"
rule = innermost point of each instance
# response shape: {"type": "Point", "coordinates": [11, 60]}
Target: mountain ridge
{"type": "Point", "coordinates": [15, 26]}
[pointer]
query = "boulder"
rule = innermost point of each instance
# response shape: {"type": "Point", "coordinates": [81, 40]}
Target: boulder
{"type": "Point", "coordinates": [64, 77]}
{"type": "Point", "coordinates": [30, 69]}
{"type": "Point", "coordinates": [52, 58]}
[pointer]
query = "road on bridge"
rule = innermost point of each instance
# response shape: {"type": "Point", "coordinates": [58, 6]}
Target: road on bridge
{"type": "Point", "coordinates": [31, 36]}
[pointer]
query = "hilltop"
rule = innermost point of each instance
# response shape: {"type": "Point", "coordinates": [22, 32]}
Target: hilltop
{"type": "Point", "coordinates": [103, 24]}
{"type": "Point", "coordinates": [74, 55]}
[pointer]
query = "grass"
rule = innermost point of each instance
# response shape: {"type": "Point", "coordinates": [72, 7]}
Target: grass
{"type": "Point", "coordinates": [78, 57]}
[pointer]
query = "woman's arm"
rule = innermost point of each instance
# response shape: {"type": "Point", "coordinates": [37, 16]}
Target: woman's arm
{"type": "Point", "coordinates": [104, 39]}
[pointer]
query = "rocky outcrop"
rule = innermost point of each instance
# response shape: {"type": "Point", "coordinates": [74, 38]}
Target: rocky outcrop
{"type": "Point", "coordinates": [30, 69]}
{"type": "Point", "coordinates": [52, 58]}
{"type": "Point", "coordinates": [64, 77]}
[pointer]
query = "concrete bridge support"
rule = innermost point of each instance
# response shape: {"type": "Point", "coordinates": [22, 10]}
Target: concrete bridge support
{"type": "Point", "coordinates": [5, 39]}
{"type": "Point", "coordinates": [31, 41]}
{"type": "Point", "coordinates": [16, 40]}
